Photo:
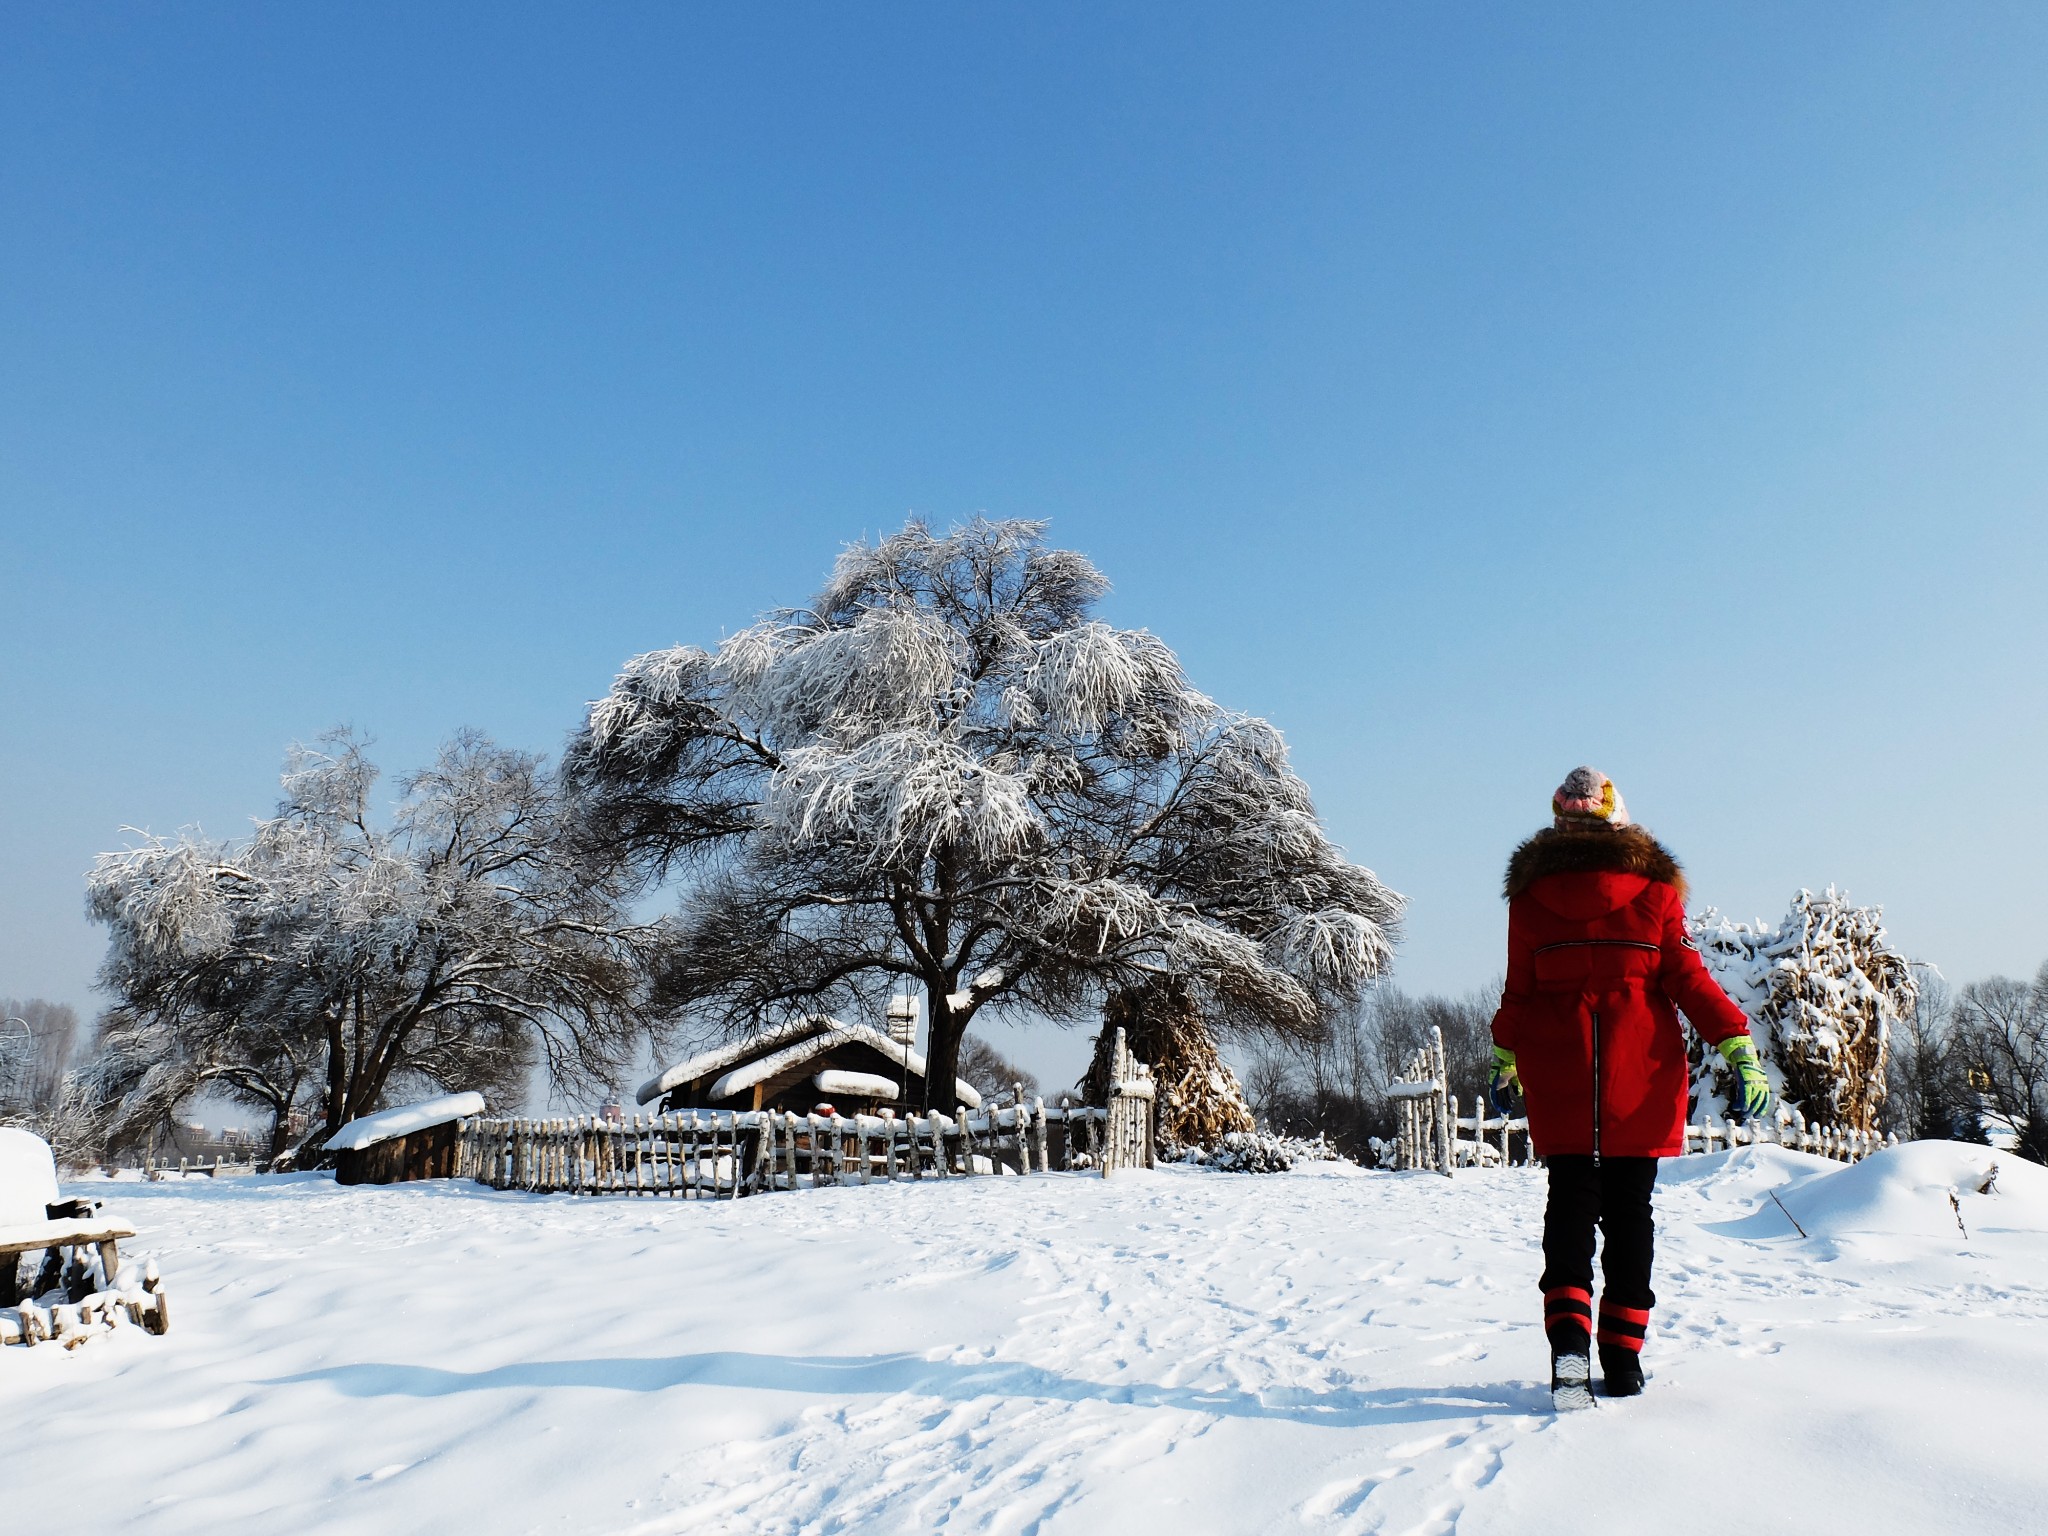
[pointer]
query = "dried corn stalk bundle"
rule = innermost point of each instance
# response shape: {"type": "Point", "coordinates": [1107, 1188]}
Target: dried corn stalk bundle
{"type": "Point", "coordinates": [1200, 1101]}
{"type": "Point", "coordinates": [1822, 989]}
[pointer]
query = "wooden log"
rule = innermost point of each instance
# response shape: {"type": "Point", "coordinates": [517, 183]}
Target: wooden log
{"type": "Point", "coordinates": [1038, 1135]}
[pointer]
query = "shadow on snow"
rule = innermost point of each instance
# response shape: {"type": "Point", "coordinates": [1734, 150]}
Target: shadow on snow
{"type": "Point", "coordinates": [851, 1375]}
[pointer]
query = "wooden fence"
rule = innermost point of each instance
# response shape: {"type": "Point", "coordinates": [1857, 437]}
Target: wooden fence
{"type": "Point", "coordinates": [722, 1154]}
{"type": "Point", "coordinates": [1427, 1132]}
{"type": "Point", "coordinates": [707, 1154]}
{"type": "Point", "coordinates": [1432, 1136]}
{"type": "Point", "coordinates": [1844, 1146]}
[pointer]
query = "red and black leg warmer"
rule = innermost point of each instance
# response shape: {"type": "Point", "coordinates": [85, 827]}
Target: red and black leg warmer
{"type": "Point", "coordinates": [1568, 1319]}
{"type": "Point", "coordinates": [1623, 1327]}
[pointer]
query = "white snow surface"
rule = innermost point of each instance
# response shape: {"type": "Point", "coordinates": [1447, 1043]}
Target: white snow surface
{"type": "Point", "coordinates": [403, 1120]}
{"type": "Point", "coordinates": [28, 1176]}
{"type": "Point", "coordinates": [1324, 1350]}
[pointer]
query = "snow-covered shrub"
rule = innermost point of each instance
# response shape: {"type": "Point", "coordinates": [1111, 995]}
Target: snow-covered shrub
{"type": "Point", "coordinates": [1258, 1152]}
{"type": "Point", "coordinates": [1822, 990]}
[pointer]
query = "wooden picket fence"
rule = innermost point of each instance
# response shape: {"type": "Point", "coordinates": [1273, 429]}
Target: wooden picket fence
{"type": "Point", "coordinates": [1489, 1143]}
{"type": "Point", "coordinates": [716, 1154]}
{"type": "Point", "coordinates": [723, 1154]}
{"type": "Point", "coordinates": [1432, 1136]}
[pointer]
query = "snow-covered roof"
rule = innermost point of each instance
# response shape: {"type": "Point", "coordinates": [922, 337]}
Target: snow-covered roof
{"type": "Point", "coordinates": [834, 1084]}
{"type": "Point", "coordinates": [404, 1119]}
{"type": "Point", "coordinates": [777, 1050]}
{"type": "Point", "coordinates": [704, 1063]}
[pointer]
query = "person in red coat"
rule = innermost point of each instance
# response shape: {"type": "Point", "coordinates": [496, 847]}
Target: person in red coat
{"type": "Point", "coordinates": [1599, 963]}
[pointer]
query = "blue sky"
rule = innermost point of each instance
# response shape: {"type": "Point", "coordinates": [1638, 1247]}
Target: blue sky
{"type": "Point", "coordinates": [1475, 391]}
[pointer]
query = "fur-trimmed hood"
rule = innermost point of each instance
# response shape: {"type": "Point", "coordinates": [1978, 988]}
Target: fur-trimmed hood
{"type": "Point", "coordinates": [1592, 850]}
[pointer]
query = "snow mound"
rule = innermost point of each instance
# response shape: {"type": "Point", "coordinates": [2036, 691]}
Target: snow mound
{"type": "Point", "coordinates": [28, 1177]}
{"type": "Point", "coordinates": [402, 1120]}
{"type": "Point", "coordinates": [1906, 1191]}
{"type": "Point", "coordinates": [1743, 1172]}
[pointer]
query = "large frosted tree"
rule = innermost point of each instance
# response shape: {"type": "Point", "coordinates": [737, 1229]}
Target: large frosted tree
{"type": "Point", "coordinates": [948, 772]}
{"type": "Point", "coordinates": [333, 957]}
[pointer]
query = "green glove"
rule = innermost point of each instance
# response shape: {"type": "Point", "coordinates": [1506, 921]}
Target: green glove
{"type": "Point", "coordinates": [1500, 1086]}
{"type": "Point", "coordinates": [1740, 1053]}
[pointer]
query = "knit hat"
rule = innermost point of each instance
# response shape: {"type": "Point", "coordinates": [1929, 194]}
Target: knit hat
{"type": "Point", "coordinates": [1587, 797]}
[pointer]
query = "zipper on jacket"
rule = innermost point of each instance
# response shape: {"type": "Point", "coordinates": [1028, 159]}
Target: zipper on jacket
{"type": "Point", "coordinates": [1596, 1087]}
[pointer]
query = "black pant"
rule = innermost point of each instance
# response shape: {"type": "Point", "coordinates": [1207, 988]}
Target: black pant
{"type": "Point", "coordinates": [1615, 1193]}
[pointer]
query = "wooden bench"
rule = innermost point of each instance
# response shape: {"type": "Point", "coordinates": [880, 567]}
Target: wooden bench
{"type": "Point", "coordinates": [96, 1231]}
{"type": "Point", "coordinates": [34, 1218]}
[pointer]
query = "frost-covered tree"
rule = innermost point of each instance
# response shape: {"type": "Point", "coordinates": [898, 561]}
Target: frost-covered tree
{"type": "Point", "coordinates": [1823, 989]}
{"type": "Point", "coordinates": [992, 1074]}
{"type": "Point", "coordinates": [1335, 1084]}
{"type": "Point", "coordinates": [1927, 1091]}
{"type": "Point", "coordinates": [2002, 1039]}
{"type": "Point", "coordinates": [333, 959]}
{"type": "Point", "coordinates": [38, 1092]}
{"type": "Point", "coordinates": [948, 771]}
{"type": "Point", "coordinates": [36, 1041]}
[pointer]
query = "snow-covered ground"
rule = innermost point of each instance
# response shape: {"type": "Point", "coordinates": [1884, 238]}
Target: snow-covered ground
{"type": "Point", "coordinates": [1180, 1351]}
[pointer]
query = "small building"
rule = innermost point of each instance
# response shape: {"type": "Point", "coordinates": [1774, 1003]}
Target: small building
{"type": "Point", "coordinates": [798, 1066]}
{"type": "Point", "coordinates": [410, 1141]}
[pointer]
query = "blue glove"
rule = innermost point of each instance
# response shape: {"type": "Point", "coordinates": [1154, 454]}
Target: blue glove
{"type": "Point", "coordinates": [1501, 1085]}
{"type": "Point", "coordinates": [1740, 1053]}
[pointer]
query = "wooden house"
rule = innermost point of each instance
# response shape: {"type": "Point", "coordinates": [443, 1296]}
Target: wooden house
{"type": "Point", "coordinates": [410, 1141]}
{"type": "Point", "coordinates": [799, 1066]}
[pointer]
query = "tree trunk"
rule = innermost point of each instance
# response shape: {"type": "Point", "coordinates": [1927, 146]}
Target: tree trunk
{"type": "Point", "coordinates": [337, 1074]}
{"type": "Point", "coordinates": [942, 1055]}
{"type": "Point", "coordinates": [280, 1126]}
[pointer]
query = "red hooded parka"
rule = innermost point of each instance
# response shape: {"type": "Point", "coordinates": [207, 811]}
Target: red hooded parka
{"type": "Point", "coordinates": [1596, 931]}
